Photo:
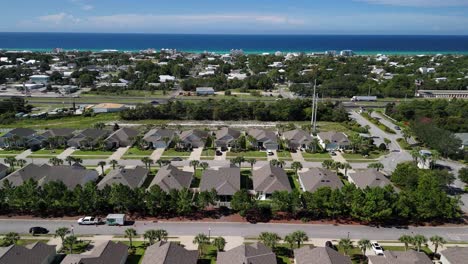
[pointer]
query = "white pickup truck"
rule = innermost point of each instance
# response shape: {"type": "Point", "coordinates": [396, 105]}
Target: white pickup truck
{"type": "Point", "coordinates": [89, 220]}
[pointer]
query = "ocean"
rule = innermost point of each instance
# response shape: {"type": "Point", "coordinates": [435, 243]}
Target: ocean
{"type": "Point", "coordinates": [360, 44]}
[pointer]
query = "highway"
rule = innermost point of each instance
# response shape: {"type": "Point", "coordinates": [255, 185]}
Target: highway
{"type": "Point", "coordinates": [242, 229]}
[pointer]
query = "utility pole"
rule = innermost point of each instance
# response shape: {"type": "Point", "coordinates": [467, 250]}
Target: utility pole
{"type": "Point", "coordinates": [313, 106]}
{"type": "Point", "coordinates": [315, 114]}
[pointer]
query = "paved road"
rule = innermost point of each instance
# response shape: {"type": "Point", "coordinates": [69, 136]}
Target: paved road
{"type": "Point", "coordinates": [244, 229]}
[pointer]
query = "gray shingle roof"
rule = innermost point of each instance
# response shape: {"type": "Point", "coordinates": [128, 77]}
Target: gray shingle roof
{"type": "Point", "coordinates": [108, 252]}
{"type": "Point", "coordinates": [22, 132]}
{"type": "Point", "coordinates": [315, 178]}
{"type": "Point", "coordinates": [194, 137]}
{"type": "Point", "coordinates": [169, 253]}
{"type": "Point", "coordinates": [71, 176]}
{"type": "Point", "coordinates": [170, 177]}
{"type": "Point", "coordinates": [59, 132]}
{"type": "Point", "coordinates": [256, 253]}
{"type": "Point", "coordinates": [124, 136]}
{"type": "Point", "coordinates": [320, 255]}
{"type": "Point", "coordinates": [226, 181]}
{"type": "Point", "coordinates": [155, 135]}
{"type": "Point", "coordinates": [297, 137]}
{"type": "Point", "coordinates": [401, 257]}
{"type": "Point", "coordinates": [334, 137]}
{"type": "Point", "coordinates": [369, 177]}
{"type": "Point", "coordinates": [269, 179]}
{"type": "Point", "coordinates": [131, 177]}
{"type": "Point", "coordinates": [226, 131]}
{"type": "Point", "coordinates": [36, 253]}
{"type": "Point", "coordinates": [456, 255]}
{"type": "Point", "coordinates": [262, 135]}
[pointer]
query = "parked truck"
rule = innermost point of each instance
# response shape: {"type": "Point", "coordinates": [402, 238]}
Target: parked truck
{"type": "Point", "coordinates": [364, 98]}
{"type": "Point", "coordinates": [89, 220]}
{"type": "Point", "coordinates": [115, 219]}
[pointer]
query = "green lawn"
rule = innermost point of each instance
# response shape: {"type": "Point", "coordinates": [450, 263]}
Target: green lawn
{"type": "Point", "coordinates": [136, 153]}
{"type": "Point", "coordinates": [46, 153]}
{"type": "Point", "coordinates": [248, 154]}
{"type": "Point", "coordinates": [10, 153]}
{"type": "Point", "coordinates": [355, 253]}
{"type": "Point", "coordinates": [402, 248]}
{"type": "Point", "coordinates": [356, 156]}
{"type": "Point", "coordinates": [175, 153]}
{"type": "Point", "coordinates": [293, 181]}
{"type": "Point", "coordinates": [24, 242]}
{"type": "Point", "coordinates": [78, 248]}
{"type": "Point", "coordinates": [137, 256]}
{"type": "Point", "coordinates": [92, 153]}
{"type": "Point", "coordinates": [403, 144]}
{"type": "Point", "coordinates": [284, 155]}
{"type": "Point", "coordinates": [315, 156]}
{"type": "Point", "coordinates": [196, 178]}
{"type": "Point", "coordinates": [64, 122]}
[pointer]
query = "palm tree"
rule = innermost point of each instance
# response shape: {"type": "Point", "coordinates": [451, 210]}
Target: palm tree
{"type": "Point", "coordinates": [289, 239]}
{"type": "Point", "coordinates": [364, 244]}
{"type": "Point", "coordinates": [102, 164]}
{"type": "Point", "coordinates": [194, 164]}
{"type": "Point", "coordinates": [269, 239]}
{"type": "Point", "coordinates": [435, 156]}
{"type": "Point", "coordinates": [62, 232]}
{"type": "Point", "coordinates": [161, 235]}
{"type": "Point", "coordinates": [70, 242]}
{"type": "Point", "coordinates": [55, 161]}
{"type": "Point", "coordinates": [281, 163]}
{"type": "Point", "coordinates": [418, 241]}
{"type": "Point", "coordinates": [406, 134]}
{"type": "Point", "coordinates": [274, 162]}
{"type": "Point", "coordinates": [147, 161]}
{"type": "Point", "coordinates": [337, 166]}
{"type": "Point", "coordinates": [300, 237]}
{"type": "Point", "coordinates": [130, 233]}
{"type": "Point", "coordinates": [238, 161]}
{"type": "Point", "coordinates": [70, 160]}
{"type": "Point", "coordinates": [346, 244]}
{"type": "Point", "coordinates": [11, 161]}
{"type": "Point", "coordinates": [377, 165]}
{"type": "Point", "coordinates": [150, 235]}
{"type": "Point", "coordinates": [346, 166]}
{"type": "Point", "coordinates": [77, 160]}
{"type": "Point", "coordinates": [201, 240]}
{"type": "Point", "coordinates": [407, 240]}
{"type": "Point", "coordinates": [296, 166]}
{"type": "Point", "coordinates": [252, 162]}
{"type": "Point", "coordinates": [11, 238]}
{"type": "Point", "coordinates": [204, 165]}
{"type": "Point", "coordinates": [415, 154]}
{"type": "Point", "coordinates": [219, 243]}
{"type": "Point", "coordinates": [327, 164]}
{"type": "Point", "coordinates": [166, 141]}
{"type": "Point", "coordinates": [21, 162]}
{"type": "Point", "coordinates": [113, 163]}
{"type": "Point", "coordinates": [437, 241]}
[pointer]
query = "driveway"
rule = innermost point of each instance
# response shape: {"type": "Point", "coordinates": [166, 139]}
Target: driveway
{"type": "Point", "coordinates": [23, 154]}
{"type": "Point", "coordinates": [297, 156]}
{"type": "Point", "coordinates": [157, 153]}
{"type": "Point", "coordinates": [196, 154]}
{"type": "Point", "coordinates": [272, 157]}
{"type": "Point", "coordinates": [117, 155]}
{"type": "Point", "coordinates": [67, 152]}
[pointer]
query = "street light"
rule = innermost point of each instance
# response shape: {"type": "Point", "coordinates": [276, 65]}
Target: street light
{"type": "Point", "coordinates": [209, 233]}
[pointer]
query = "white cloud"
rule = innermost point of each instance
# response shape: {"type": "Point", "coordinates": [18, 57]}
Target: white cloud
{"type": "Point", "coordinates": [87, 7]}
{"type": "Point", "coordinates": [82, 5]}
{"type": "Point", "coordinates": [419, 3]}
{"type": "Point", "coordinates": [59, 18]}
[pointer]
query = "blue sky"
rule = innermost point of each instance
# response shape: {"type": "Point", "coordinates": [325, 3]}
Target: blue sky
{"type": "Point", "coordinates": [237, 17]}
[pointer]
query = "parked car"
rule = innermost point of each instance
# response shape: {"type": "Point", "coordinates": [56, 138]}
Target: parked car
{"type": "Point", "coordinates": [223, 148]}
{"type": "Point", "coordinates": [397, 128]}
{"type": "Point", "coordinates": [36, 230]}
{"type": "Point", "coordinates": [270, 153]}
{"type": "Point", "coordinates": [219, 153]}
{"type": "Point", "coordinates": [333, 153]}
{"type": "Point", "coordinates": [377, 248]}
{"type": "Point", "coordinates": [89, 220]}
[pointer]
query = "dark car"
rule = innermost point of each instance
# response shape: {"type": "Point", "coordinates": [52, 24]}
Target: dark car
{"type": "Point", "coordinates": [176, 159]}
{"type": "Point", "coordinates": [219, 153]}
{"type": "Point", "coordinates": [38, 230]}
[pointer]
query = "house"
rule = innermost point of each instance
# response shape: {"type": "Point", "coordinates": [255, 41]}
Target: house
{"type": "Point", "coordinates": [131, 177]}
{"type": "Point", "coordinates": [225, 136]}
{"type": "Point", "coordinates": [170, 177]}
{"type": "Point", "coordinates": [454, 255]}
{"type": "Point", "coordinates": [35, 253]}
{"type": "Point", "coordinates": [316, 178]}
{"type": "Point", "coordinates": [3, 170]}
{"type": "Point", "coordinates": [297, 138]}
{"type": "Point", "coordinates": [58, 136]}
{"type": "Point", "coordinates": [108, 252]}
{"type": "Point", "coordinates": [264, 139]}
{"type": "Point", "coordinates": [193, 138]}
{"type": "Point", "coordinates": [464, 139]}
{"type": "Point", "coordinates": [71, 176]}
{"type": "Point", "coordinates": [256, 253]}
{"type": "Point", "coordinates": [22, 138]}
{"type": "Point", "coordinates": [225, 181]}
{"type": "Point", "coordinates": [319, 255]}
{"type": "Point", "coordinates": [88, 137]}
{"type": "Point", "coordinates": [268, 179]}
{"type": "Point", "coordinates": [368, 178]}
{"type": "Point", "coordinates": [43, 79]}
{"type": "Point", "coordinates": [332, 140]}
{"type": "Point", "coordinates": [169, 253]}
{"type": "Point", "coordinates": [159, 138]}
{"type": "Point", "coordinates": [123, 137]}
{"type": "Point", "coordinates": [108, 108]}
{"type": "Point", "coordinates": [400, 257]}
{"type": "Point", "coordinates": [204, 91]}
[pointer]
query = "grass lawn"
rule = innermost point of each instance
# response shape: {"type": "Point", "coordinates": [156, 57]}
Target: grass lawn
{"type": "Point", "coordinates": [293, 181]}
{"type": "Point", "coordinates": [356, 156]}
{"type": "Point", "coordinates": [315, 156]}
{"type": "Point", "coordinates": [284, 155]}
{"type": "Point", "coordinates": [23, 242]}
{"type": "Point", "coordinates": [78, 248]}
{"type": "Point", "coordinates": [64, 122]}
{"type": "Point", "coordinates": [10, 153]}
{"type": "Point", "coordinates": [355, 253]}
{"type": "Point", "coordinates": [403, 144]}
{"type": "Point", "coordinates": [208, 154]}
{"type": "Point", "coordinates": [46, 153]}
{"type": "Point", "coordinates": [136, 153]}
{"type": "Point", "coordinates": [332, 126]}
{"type": "Point", "coordinates": [92, 153]}
{"type": "Point", "coordinates": [209, 255]}
{"type": "Point", "coordinates": [196, 178]}
{"type": "Point", "coordinates": [248, 154]}
{"type": "Point", "coordinates": [402, 248]}
{"type": "Point", "coordinates": [175, 153]}
{"type": "Point", "coordinates": [137, 256]}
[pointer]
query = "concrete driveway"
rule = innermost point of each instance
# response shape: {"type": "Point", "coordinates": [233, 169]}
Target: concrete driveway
{"type": "Point", "coordinates": [157, 153]}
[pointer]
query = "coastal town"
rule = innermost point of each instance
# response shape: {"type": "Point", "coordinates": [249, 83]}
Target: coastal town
{"type": "Point", "coordinates": [163, 156]}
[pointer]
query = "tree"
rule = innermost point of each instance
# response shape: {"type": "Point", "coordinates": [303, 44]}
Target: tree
{"type": "Point", "coordinates": [55, 161]}
{"type": "Point", "coordinates": [130, 233]}
{"type": "Point", "coordinates": [21, 162]}
{"type": "Point", "coordinates": [296, 166]}
{"type": "Point", "coordinates": [113, 163]}
{"type": "Point", "coordinates": [161, 235]}
{"type": "Point", "coordinates": [11, 238]}
{"type": "Point", "coordinates": [99, 125]}
{"type": "Point", "coordinates": [102, 164]}
{"type": "Point", "coordinates": [289, 239]}
{"type": "Point", "coordinates": [364, 244]}
{"type": "Point", "coordinates": [435, 156]}
{"type": "Point", "coordinates": [407, 240]}
{"type": "Point", "coordinates": [376, 165]}
{"type": "Point", "coordinates": [238, 161]}
{"type": "Point", "coordinates": [153, 235]}
{"type": "Point", "coordinates": [327, 164]}
{"type": "Point", "coordinates": [437, 241]}
{"type": "Point", "coordinates": [204, 165]}
{"type": "Point", "coordinates": [346, 244]}
{"type": "Point", "coordinates": [70, 160]}
{"type": "Point", "coordinates": [252, 162]}
{"type": "Point", "coordinates": [201, 240]}
{"type": "Point", "coordinates": [269, 239]}
{"type": "Point", "coordinates": [337, 166]}
{"type": "Point", "coordinates": [241, 202]}
{"type": "Point", "coordinates": [62, 232]}
{"type": "Point", "coordinates": [346, 166]}
{"type": "Point", "coordinates": [194, 164]}
{"type": "Point", "coordinates": [418, 241]}
{"type": "Point", "coordinates": [147, 161]}
{"type": "Point", "coordinates": [280, 163]}
{"type": "Point", "coordinates": [300, 237]}
{"type": "Point", "coordinates": [463, 174]}
{"type": "Point", "coordinates": [70, 241]}
{"type": "Point", "coordinates": [11, 161]}
{"type": "Point", "coordinates": [219, 243]}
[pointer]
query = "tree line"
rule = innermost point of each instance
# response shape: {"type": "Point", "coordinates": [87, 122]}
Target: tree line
{"type": "Point", "coordinates": [233, 109]}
